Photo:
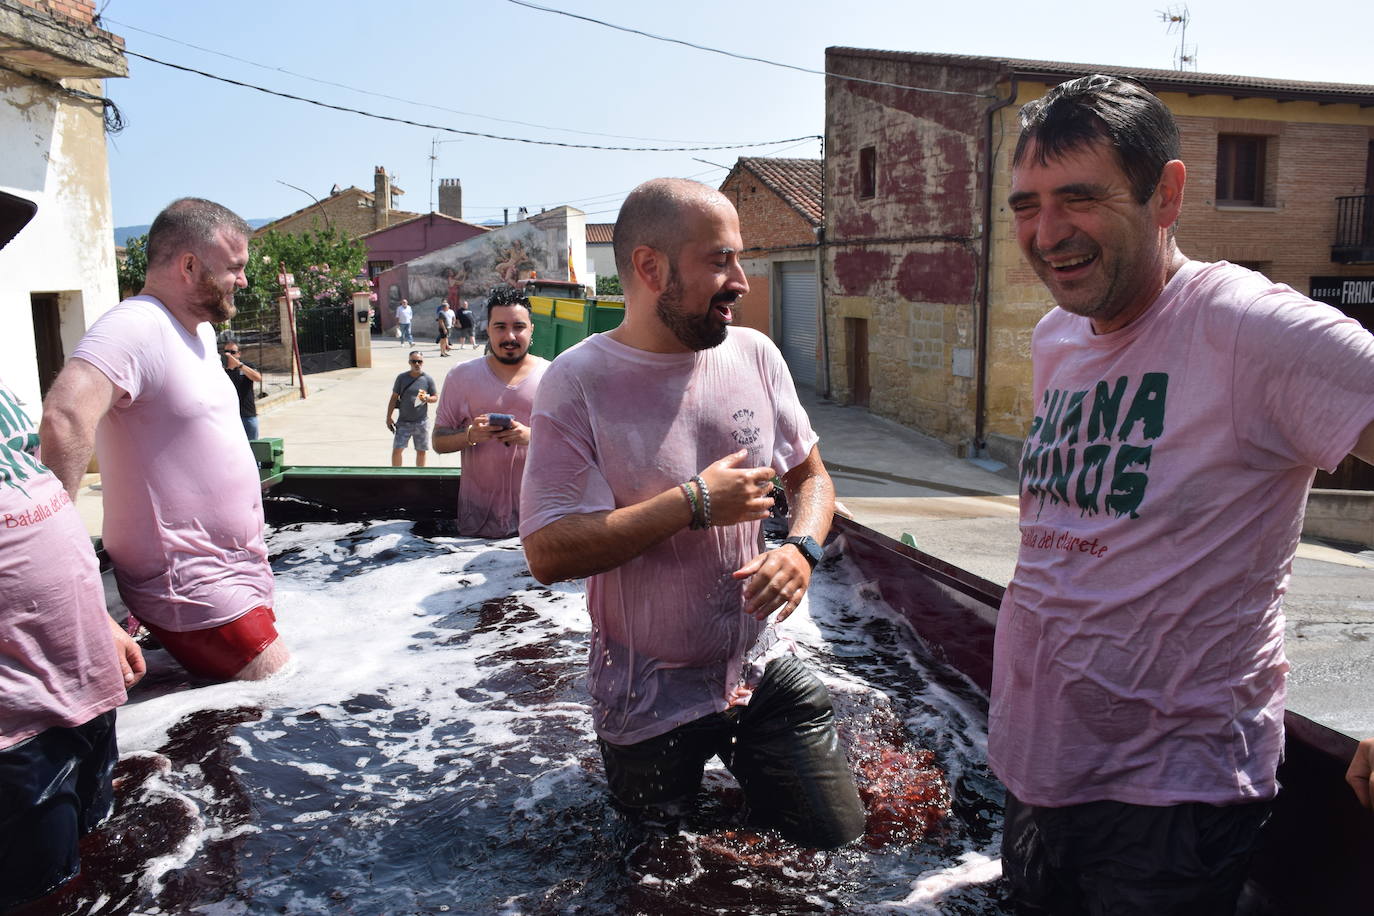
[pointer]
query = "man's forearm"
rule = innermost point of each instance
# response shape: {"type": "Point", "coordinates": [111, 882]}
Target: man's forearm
{"type": "Point", "coordinates": [250, 373]}
{"type": "Point", "coordinates": [810, 499]}
{"type": "Point", "coordinates": [447, 440]}
{"type": "Point", "coordinates": [577, 546]}
{"type": "Point", "coordinates": [66, 447]}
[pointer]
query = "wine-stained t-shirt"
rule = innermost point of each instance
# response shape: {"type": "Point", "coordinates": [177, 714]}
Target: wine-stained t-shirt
{"type": "Point", "coordinates": [1139, 649]}
{"type": "Point", "coordinates": [489, 492]}
{"type": "Point", "coordinates": [58, 663]}
{"type": "Point", "coordinates": [614, 426]}
{"type": "Point", "coordinates": [183, 501]}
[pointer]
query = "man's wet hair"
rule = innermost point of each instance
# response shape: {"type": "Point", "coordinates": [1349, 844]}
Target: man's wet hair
{"type": "Point", "coordinates": [506, 295]}
{"type": "Point", "coordinates": [653, 215]}
{"type": "Point", "coordinates": [190, 224]}
{"type": "Point", "coordinates": [1132, 121]}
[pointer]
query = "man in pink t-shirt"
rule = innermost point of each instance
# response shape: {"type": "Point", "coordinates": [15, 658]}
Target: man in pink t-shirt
{"type": "Point", "coordinates": [652, 456]}
{"type": "Point", "coordinates": [484, 412]}
{"type": "Point", "coordinates": [1181, 408]}
{"type": "Point", "coordinates": [64, 667]}
{"type": "Point", "coordinates": [182, 500]}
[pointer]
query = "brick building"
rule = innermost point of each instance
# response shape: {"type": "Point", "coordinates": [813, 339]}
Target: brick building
{"type": "Point", "coordinates": [60, 269]}
{"type": "Point", "coordinates": [928, 306]}
{"type": "Point", "coordinates": [780, 213]}
{"type": "Point", "coordinates": [351, 210]}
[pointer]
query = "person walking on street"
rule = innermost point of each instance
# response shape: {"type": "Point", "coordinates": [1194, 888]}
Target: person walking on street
{"type": "Point", "coordinates": [404, 316]}
{"type": "Point", "coordinates": [411, 396]}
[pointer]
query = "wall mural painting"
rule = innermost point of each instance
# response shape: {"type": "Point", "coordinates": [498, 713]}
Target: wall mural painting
{"type": "Point", "coordinates": [470, 269]}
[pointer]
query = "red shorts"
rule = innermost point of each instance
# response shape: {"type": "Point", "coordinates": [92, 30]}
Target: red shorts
{"type": "Point", "coordinates": [220, 652]}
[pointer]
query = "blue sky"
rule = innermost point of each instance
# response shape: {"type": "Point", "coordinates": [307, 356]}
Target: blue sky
{"type": "Point", "coordinates": [480, 65]}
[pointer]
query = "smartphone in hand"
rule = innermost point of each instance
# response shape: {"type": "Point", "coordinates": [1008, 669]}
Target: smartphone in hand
{"type": "Point", "coordinates": [500, 420]}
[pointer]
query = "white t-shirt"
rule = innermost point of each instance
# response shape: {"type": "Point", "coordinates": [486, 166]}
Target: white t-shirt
{"type": "Point", "coordinates": [1139, 650]}
{"type": "Point", "coordinates": [183, 502]}
{"type": "Point", "coordinates": [404, 314]}
{"type": "Point", "coordinates": [489, 492]}
{"type": "Point", "coordinates": [614, 426]}
{"type": "Point", "coordinates": [58, 664]}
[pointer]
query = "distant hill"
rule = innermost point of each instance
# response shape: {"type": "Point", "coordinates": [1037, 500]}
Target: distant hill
{"type": "Point", "coordinates": [122, 234]}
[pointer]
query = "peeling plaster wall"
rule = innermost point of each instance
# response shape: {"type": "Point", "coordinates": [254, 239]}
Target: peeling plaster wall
{"type": "Point", "coordinates": [55, 156]}
{"type": "Point", "coordinates": [905, 260]}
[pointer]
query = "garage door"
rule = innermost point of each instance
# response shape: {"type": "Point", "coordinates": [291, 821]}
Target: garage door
{"type": "Point", "coordinates": [798, 337]}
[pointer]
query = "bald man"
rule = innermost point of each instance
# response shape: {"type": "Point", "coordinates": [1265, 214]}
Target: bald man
{"type": "Point", "coordinates": [653, 451]}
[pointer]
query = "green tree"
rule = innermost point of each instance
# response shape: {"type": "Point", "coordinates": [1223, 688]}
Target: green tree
{"type": "Point", "coordinates": [133, 267]}
{"type": "Point", "coordinates": [325, 262]}
{"type": "Point", "coordinates": [609, 286]}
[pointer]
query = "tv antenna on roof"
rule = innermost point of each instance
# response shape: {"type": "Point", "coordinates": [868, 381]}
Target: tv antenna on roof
{"type": "Point", "coordinates": [1177, 18]}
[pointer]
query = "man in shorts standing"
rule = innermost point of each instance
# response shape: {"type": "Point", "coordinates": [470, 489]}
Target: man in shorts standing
{"type": "Point", "coordinates": [245, 379]}
{"type": "Point", "coordinates": [411, 395]}
{"type": "Point", "coordinates": [652, 457]}
{"type": "Point", "coordinates": [145, 389]}
{"type": "Point", "coordinates": [485, 412]}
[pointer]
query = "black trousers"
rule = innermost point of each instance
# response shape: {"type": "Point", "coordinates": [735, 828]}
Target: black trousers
{"type": "Point", "coordinates": [54, 789]}
{"type": "Point", "coordinates": [782, 748]}
{"type": "Point", "coordinates": [1109, 858]}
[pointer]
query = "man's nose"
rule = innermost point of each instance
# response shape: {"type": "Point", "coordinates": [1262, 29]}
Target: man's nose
{"type": "Point", "coordinates": [737, 281]}
{"type": "Point", "coordinates": [1052, 227]}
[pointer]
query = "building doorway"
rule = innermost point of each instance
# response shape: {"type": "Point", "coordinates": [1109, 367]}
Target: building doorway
{"type": "Point", "coordinates": [47, 338]}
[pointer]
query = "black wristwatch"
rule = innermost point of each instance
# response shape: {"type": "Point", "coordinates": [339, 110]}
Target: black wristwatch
{"type": "Point", "coordinates": [808, 547]}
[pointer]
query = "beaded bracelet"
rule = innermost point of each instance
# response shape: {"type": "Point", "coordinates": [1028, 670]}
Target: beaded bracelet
{"type": "Point", "coordinates": [691, 500]}
{"type": "Point", "coordinates": [705, 501]}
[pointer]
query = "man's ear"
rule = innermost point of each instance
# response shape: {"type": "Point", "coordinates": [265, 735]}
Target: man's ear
{"type": "Point", "coordinates": [651, 268]}
{"type": "Point", "coordinates": [186, 265]}
{"type": "Point", "coordinates": [1169, 192]}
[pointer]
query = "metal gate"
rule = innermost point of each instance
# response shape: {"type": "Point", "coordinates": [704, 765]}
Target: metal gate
{"type": "Point", "coordinates": [325, 336]}
{"type": "Point", "coordinates": [798, 337]}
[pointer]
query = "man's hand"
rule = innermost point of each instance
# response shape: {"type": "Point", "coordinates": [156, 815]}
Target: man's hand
{"type": "Point", "coordinates": [231, 361]}
{"type": "Point", "coordinates": [516, 434]}
{"type": "Point", "coordinates": [777, 582]}
{"type": "Point", "coordinates": [738, 494]}
{"type": "Point", "coordinates": [1361, 773]}
{"type": "Point", "coordinates": [131, 663]}
{"type": "Point", "coordinates": [390, 424]}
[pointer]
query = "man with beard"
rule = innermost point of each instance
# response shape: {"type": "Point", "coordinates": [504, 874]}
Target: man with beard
{"type": "Point", "coordinates": [182, 502]}
{"type": "Point", "coordinates": [484, 412]}
{"type": "Point", "coordinates": [654, 450]}
{"type": "Point", "coordinates": [1181, 407]}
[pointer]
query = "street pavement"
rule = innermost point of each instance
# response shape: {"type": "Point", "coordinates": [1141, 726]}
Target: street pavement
{"type": "Point", "coordinates": [891, 479]}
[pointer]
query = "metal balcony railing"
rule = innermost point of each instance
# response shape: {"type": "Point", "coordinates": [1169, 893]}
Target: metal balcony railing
{"type": "Point", "coordinates": [1354, 230]}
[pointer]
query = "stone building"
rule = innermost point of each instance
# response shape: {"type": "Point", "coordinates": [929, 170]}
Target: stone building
{"type": "Point", "coordinates": [351, 210]}
{"type": "Point", "coordinates": [59, 272]}
{"type": "Point", "coordinates": [928, 306]}
{"type": "Point", "coordinates": [779, 203]}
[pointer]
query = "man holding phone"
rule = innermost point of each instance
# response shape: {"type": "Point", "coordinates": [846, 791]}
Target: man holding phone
{"type": "Point", "coordinates": [488, 401]}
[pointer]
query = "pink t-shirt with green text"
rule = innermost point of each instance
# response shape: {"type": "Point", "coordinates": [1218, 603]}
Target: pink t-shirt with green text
{"type": "Point", "coordinates": [1139, 651]}
{"type": "Point", "coordinates": [58, 664]}
{"type": "Point", "coordinates": [614, 426]}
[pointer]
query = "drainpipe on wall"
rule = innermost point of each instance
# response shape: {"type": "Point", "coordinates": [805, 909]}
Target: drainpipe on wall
{"type": "Point", "coordinates": [820, 278]}
{"type": "Point", "coordinates": [980, 445]}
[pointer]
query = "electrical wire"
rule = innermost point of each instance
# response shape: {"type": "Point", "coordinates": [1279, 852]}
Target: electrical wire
{"type": "Point", "coordinates": [757, 60]}
{"type": "Point", "coordinates": [383, 95]}
{"type": "Point", "coordinates": [468, 133]}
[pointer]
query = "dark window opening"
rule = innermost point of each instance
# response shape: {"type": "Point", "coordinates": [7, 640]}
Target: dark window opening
{"type": "Point", "coordinates": [868, 171]}
{"type": "Point", "coordinates": [1240, 170]}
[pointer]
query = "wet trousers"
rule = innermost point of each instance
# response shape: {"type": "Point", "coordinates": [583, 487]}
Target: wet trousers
{"type": "Point", "coordinates": [782, 748]}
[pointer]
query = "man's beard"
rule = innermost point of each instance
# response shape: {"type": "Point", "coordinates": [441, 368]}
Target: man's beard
{"type": "Point", "coordinates": [212, 304]}
{"type": "Point", "coordinates": [693, 332]}
{"type": "Point", "coordinates": [501, 356]}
